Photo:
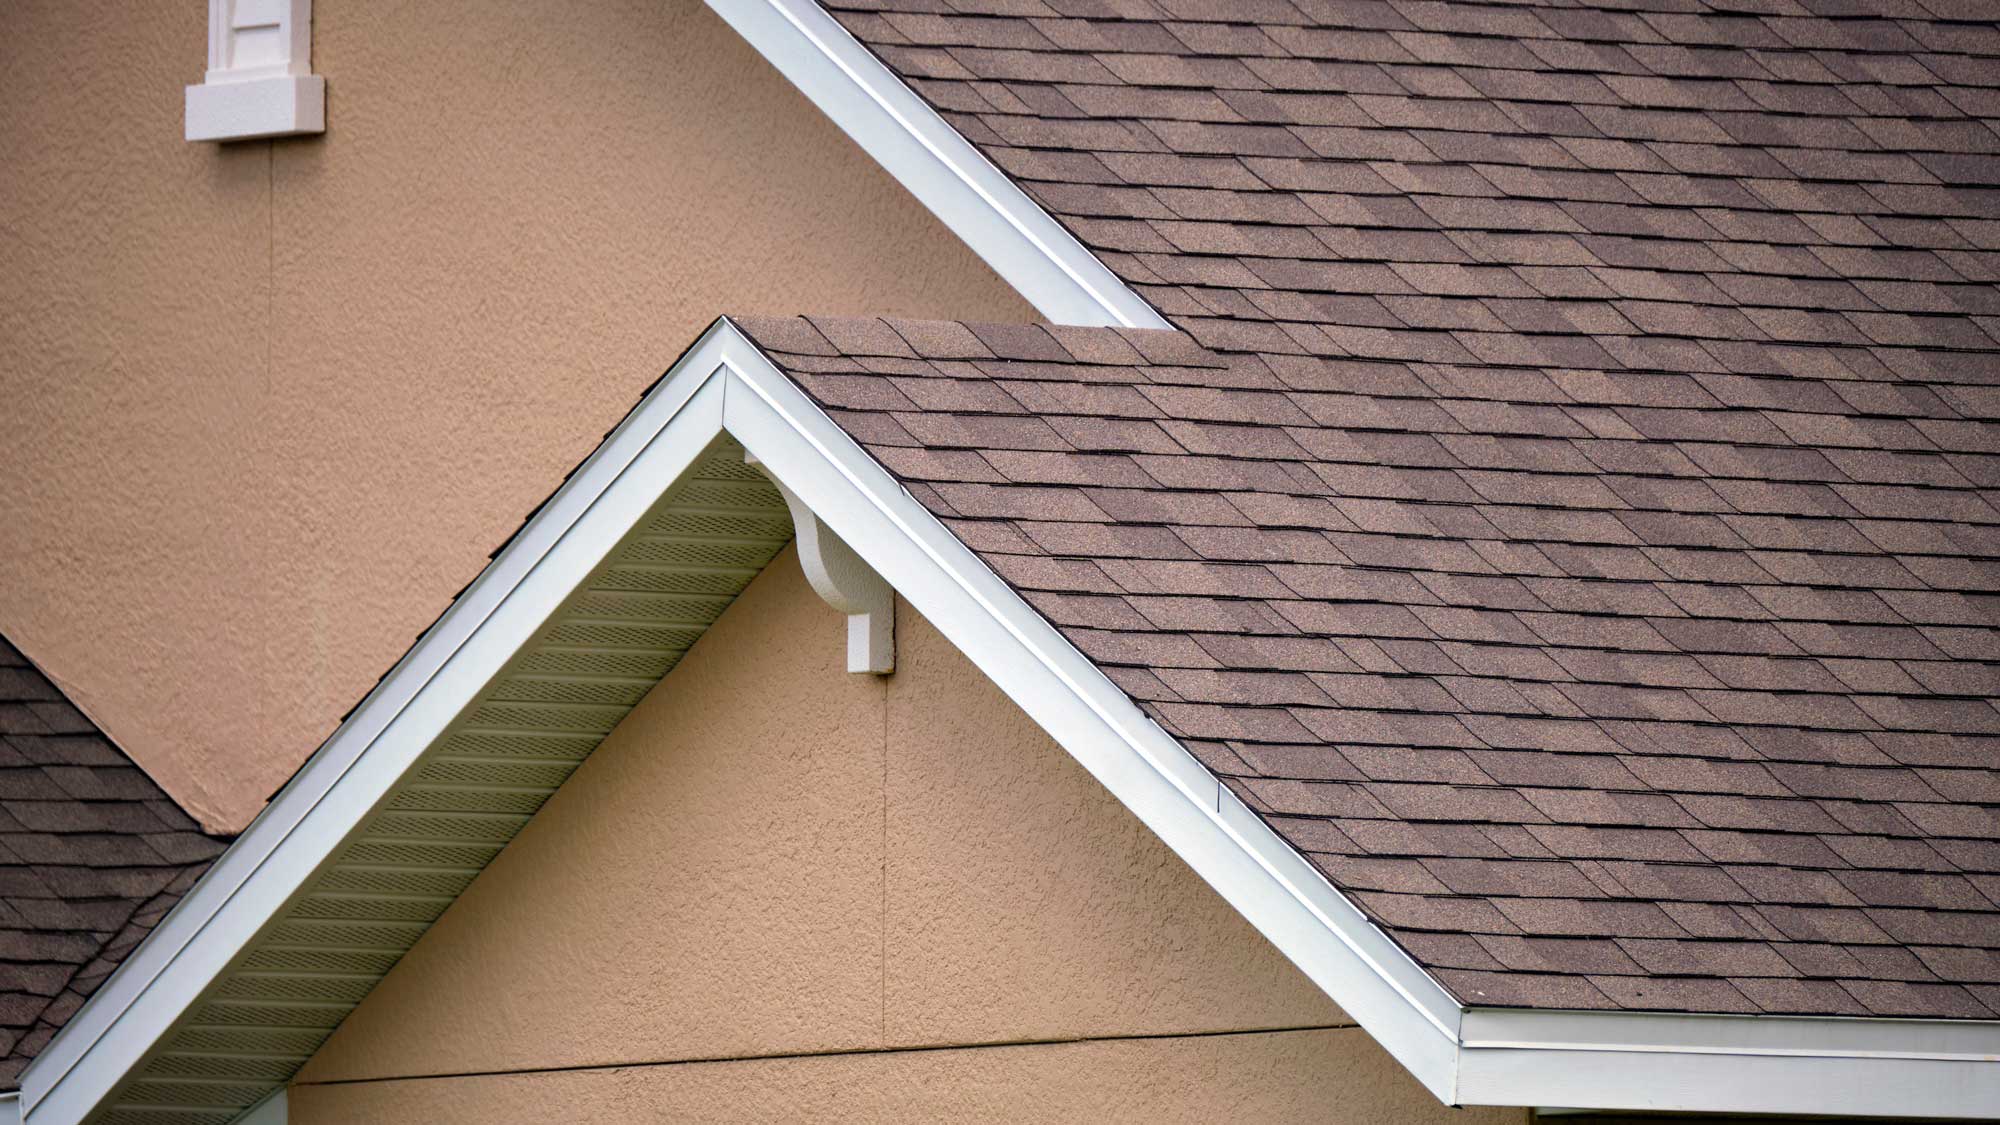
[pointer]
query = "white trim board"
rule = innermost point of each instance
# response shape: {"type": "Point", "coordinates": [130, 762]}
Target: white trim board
{"type": "Point", "coordinates": [983, 206]}
{"type": "Point", "coordinates": [301, 829]}
{"type": "Point", "coordinates": [1477, 1056]}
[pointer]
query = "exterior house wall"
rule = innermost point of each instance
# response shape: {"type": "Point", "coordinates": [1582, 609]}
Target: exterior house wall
{"type": "Point", "coordinates": [306, 385]}
{"type": "Point", "coordinates": [773, 864]}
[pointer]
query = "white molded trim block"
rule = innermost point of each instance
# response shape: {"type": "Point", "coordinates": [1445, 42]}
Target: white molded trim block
{"type": "Point", "coordinates": [844, 582]}
{"type": "Point", "coordinates": [267, 107]}
{"type": "Point", "coordinates": [259, 81]}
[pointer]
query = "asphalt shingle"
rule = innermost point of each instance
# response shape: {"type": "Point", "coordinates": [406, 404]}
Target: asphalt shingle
{"type": "Point", "coordinates": [1687, 314]}
{"type": "Point", "coordinates": [1494, 693]}
{"type": "Point", "coordinates": [92, 856]}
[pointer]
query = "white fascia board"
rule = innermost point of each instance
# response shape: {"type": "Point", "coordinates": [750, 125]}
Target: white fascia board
{"type": "Point", "coordinates": [1483, 1056]}
{"type": "Point", "coordinates": [302, 828]}
{"type": "Point", "coordinates": [10, 1108]}
{"type": "Point", "coordinates": [1691, 1063]}
{"type": "Point", "coordinates": [983, 206]}
{"type": "Point", "coordinates": [1090, 717]}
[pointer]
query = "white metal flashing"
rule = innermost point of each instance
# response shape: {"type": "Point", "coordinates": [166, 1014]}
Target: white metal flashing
{"type": "Point", "coordinates": [1833, 1066]}
{"type": "Point", "coordinates": [1617, 1061]}
{"type": "Point", "coordinates": [299, 831]}
{"type": "Point", "coordinates": [1043, 262]}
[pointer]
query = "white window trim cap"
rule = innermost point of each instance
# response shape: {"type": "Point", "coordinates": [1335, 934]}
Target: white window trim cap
{"type": "Point", "coordinates": [981, 204]}
{"type": "Point", "coordinates": [259, 81]}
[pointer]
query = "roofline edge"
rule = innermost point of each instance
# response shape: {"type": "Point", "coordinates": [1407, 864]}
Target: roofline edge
{"type": "Point", "coordinates": [1690, 1062]}
{"type": "Point", "coordinates": [725, 384]}
{"type": "Point", "coordinates": [982, 205]}
{"type": "Point", "coordinates": [1605, 1060]}
{"type": "Point", "coordinates": [301, 829]}
{"type": "Point", "coordinates": [1078, 706]}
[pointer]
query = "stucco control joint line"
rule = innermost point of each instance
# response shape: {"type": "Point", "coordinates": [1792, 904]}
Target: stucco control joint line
{"type": "Point", "coordinates": [260, 81]}
{"type": "Point", "coordinates": [848, 584]}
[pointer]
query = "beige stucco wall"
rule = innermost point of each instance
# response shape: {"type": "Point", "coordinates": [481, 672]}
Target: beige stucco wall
{"type": "Point", "coordinates": [268, 405]}
{"type": "Point", "coordinates": [1268, 1079]}
{"type": "Point", "coordinates": [776, 862]}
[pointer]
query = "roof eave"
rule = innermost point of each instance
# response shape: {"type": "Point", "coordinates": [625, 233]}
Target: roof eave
{"type": "Point", "coordinates": [982, 205]}
{"type": "Point", "coordinates": [1699, 1062]}
{"type": "Point", "coordinates": [1463, 1055]}
{"type": "Point", "coordinates": [1608, 1060]}
{"type": "Point", "coordinates": [302, 827]}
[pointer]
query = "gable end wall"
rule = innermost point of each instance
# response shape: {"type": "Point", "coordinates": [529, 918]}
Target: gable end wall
{"type": "Point", "coordinates": [781, 891]}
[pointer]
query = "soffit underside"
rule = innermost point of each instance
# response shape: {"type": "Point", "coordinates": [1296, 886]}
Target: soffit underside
{"type": "Point", "coordinates": [472, 790]}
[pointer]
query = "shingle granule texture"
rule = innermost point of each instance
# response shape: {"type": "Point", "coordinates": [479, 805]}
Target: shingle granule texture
{"type": "Point", "coordinates": [1590, 703]}
{"type": "Point", "coordinates": [92, 855]}
{"type": "Point", "coordinates": [1568, 514]}
{"type": "Point", "coordinates": [1665, 200]}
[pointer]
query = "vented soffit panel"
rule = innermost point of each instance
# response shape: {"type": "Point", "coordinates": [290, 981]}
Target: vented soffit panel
{"type": "Point", "coordinates": [598, 627]}
{"type": "Point", "coordinates": [467, 794]}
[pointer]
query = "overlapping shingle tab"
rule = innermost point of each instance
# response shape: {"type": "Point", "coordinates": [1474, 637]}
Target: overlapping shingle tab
{"type": "Point", "coordinates": [1569, 516]}
{"type": "Point", "coordinates": [92, 855]}
{"type": "Point", "coordinates": [1781, 187]}
{"type": "Point", "coordinates": [1589, 702]}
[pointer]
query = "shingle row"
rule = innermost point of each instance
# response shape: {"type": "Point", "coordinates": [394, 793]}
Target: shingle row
{"type": "Point", "coordinates": [92, 855]}
{"type": "Point", "coordinates": [1569, 512]}
{"type": "Point", "coordinates": [1519, 185]}
{"type": "Point", "coordinates": [1666, 719]}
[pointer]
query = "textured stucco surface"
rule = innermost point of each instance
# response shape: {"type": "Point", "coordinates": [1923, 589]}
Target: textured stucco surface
{"type": "Point", "coordinates": [1023, 902]}
{"type": "Point", "coordinates": [270, 404]}
{"type": "Point", "coordinates": [782, 892]}
{"type": "Point", "coordinates": [709, 882]}
{"type": "Point", "coordinates": [1338, 1076]}
{"type": "Point", "coordinates": [773, 856]}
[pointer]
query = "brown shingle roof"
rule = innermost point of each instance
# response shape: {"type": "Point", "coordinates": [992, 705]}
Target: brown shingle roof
{"type": "Point", "coordinates": [1585, 709]}
{"type": "Point", "coordinates": [1583, 533]}
{"type": "Point", "coordinates": [1707, 197]}
{"type": "Point", "coordinates": [92, 855]}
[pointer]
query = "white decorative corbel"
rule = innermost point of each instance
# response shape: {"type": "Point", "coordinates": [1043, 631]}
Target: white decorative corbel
{"type": "Point", "coordinates": [260, 81]}
{"type": "Point", "coordinates": [846, 582]}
